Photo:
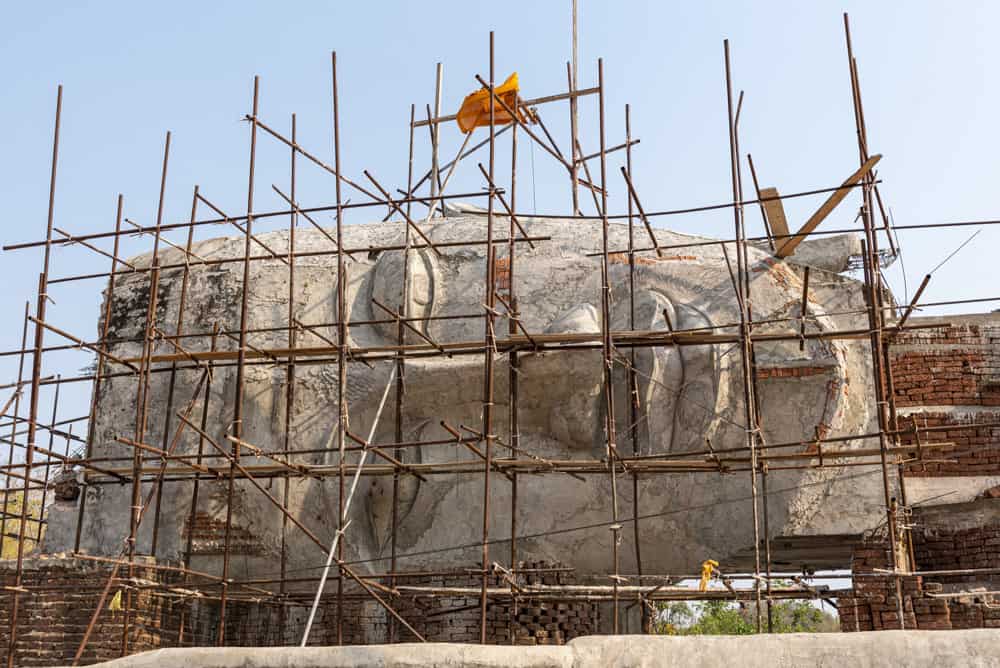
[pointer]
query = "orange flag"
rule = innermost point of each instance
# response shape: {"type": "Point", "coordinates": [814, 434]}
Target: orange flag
{"type": "Point", "coordinates": [475, 111]}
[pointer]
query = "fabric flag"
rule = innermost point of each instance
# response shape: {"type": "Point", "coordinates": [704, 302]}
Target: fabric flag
{"type": "Point", "coordinates": [475, 110]}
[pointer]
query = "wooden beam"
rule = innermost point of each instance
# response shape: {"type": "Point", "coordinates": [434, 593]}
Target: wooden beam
{"type": "Point", "coordinates": [828, 206]}
{"type": "Point", "coordinates": [775, 212]}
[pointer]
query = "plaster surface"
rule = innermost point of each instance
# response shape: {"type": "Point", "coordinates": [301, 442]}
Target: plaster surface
{"type": "Point", "coordinates": [916, 649]}
{"type": "Point", "coordinates": [686, 395]}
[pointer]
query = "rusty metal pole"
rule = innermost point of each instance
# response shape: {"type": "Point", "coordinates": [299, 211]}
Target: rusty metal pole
{"type": "Point", "coordinates": [192, 517]}
{"type": "Point", "coordinates": [48, 460]}
{"type": "Point", "coordinates": [13, 424]}
{"type": "Point", "coordinates": [607, 349]}
{"type": "Point", "coordinates": [172, 379]}
{"type": "Point", "coordinates": [513, 418]}
{"type": "Point", "coordinates": [342, 343]}
{"type": "Point", "coordinates": [99, 372]}
{"type": "Point", "coordinates": [142, 404]}
{"type": "Point", "coordinates": [237, 423]}
{"type": "Point", "coordinates": [289, 369]}
{"type": "Point", "coordinates": [875, 317]}
{"type": "Point", "coordinates": [632, 380]}
{"type": "Point", "coordinates": [758, 430]}
{"type": "Point", "coordinates": [488, 344]}
{"type": "Point", "coordinates": [36, 372]}
{"type": "Point", "coordinates": [402, 312]}
{"type": "Point", "coordinates": [746, 350]}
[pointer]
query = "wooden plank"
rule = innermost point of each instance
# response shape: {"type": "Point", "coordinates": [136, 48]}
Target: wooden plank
{"type": "Point", "coordinates": [836, 197]}
{"type": "Point", "coordinates": [775, 213]}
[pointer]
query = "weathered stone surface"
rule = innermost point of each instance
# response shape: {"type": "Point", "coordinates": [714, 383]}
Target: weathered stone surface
{"type": "Point", "coordinates": [687, 394]}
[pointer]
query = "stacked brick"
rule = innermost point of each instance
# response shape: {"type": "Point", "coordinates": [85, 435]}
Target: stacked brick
{"type": "Point", "coordinates": [950, 377]}
{"type": "Point", "coordinates": [976, 450]}
{"type": "Point", "coordinates": [536, 622]}
{"type": "Point", "coordinates": [874, 605]}
{"type": "Point", "coordinates": [524, 621]}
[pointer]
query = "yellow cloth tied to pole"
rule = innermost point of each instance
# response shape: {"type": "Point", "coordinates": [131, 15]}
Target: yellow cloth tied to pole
{"type": "Point", "coordinates": [116, 602]}
{"type": "Point", "coordinates": [707, 567]}
{"type": "Point", "coordinates": [475, 110]}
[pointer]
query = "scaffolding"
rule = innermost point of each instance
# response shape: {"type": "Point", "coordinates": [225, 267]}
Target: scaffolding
{"type": "Point", "coordinates": [30, 465]}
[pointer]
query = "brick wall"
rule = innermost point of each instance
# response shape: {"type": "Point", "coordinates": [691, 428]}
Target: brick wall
{"type": "Point", "coordinates": [950, 377]}
{"type": "Point", "coordinates": [52, 623]}
{"type": "Point", "coordinates": [929, 602]}
{"type": "Point", "coordinates": [64, 593]}
{"type": "Point", "coordinates": [455, 618]}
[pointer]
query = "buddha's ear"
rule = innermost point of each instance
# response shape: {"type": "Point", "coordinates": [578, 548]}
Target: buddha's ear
{"type": "Point", "coordinates": [380, 495]}
{"type": "Point", "coordinates": [422, 275]}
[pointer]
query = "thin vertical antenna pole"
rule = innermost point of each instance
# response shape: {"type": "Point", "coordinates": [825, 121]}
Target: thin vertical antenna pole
{"type": "Point", "coordinates": [746, 354]}
{"type": "Point", "coordinates": [237, 423]}
{"type": "Point", "coordinates": [608, 351]}
{"type": "Point", "coordinates": [573, 114]}
{"type": "Point", "coordinates": [574, 170]}
{"type": "Point", "coordinates": [99, 373]}
{"type": "Point", "coordinates": [435, 133]}
{"type": "Point", "coordinates": [341, 352]}
{"type": "Point", "coordinates": [490, 339]}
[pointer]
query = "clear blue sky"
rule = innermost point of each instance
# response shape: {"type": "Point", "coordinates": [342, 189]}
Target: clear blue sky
{"type": "Point", "coordinates": [134, 70]}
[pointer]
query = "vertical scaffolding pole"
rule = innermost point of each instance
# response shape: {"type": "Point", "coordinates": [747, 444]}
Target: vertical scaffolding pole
{"type": "Point", "coordinates": [172, 379]}
{"type": "Point", "coordinates": [289, 369]}
{"type": "Point", "coordinates": [341, 353]}
{"type": "Point", "coordinates": [48, 460]}
{"type": "Point", "coordinates": [876, 314]}
{"type": "Point", "coordinates": [99, 371]}
{"type": "Point", "coordinates": [435, 134]}
{"type": "Point", "coordinates": [237, 423]}
{"type": "Point", "coordinates": [607, 350]}
{"type": "Point", "coordinates": [489, 345]}
{"type": "Point", "coordinates": [746, 350]}
{"type": "Point", "coordinates": [142, 405]}
{"type": "Point", "coordinates": [632, 380]}
{"type": "Point", "coordinates": [402, 312]}
{"type": "Point", "coordinates": [513, 418]}
{"type": "Point", "coordinates": [36, 372]}
{"type": "Point", "coordinates": [14, 423]}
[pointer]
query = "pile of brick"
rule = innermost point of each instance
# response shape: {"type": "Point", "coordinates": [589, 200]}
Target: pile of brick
{"type": "Point", "coordinates": [520, 621]}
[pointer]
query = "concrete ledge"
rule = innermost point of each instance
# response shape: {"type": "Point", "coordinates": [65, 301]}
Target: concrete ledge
{"type": "Point", "coordinates": [918, 649]}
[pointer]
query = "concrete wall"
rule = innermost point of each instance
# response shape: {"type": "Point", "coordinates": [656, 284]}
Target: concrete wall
{"type": "Point", "coordinates": [899, 648]}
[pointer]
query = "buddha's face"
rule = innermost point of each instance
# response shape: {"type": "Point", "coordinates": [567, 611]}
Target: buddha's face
{"type": "Point", "coordinates": [684, 398]}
